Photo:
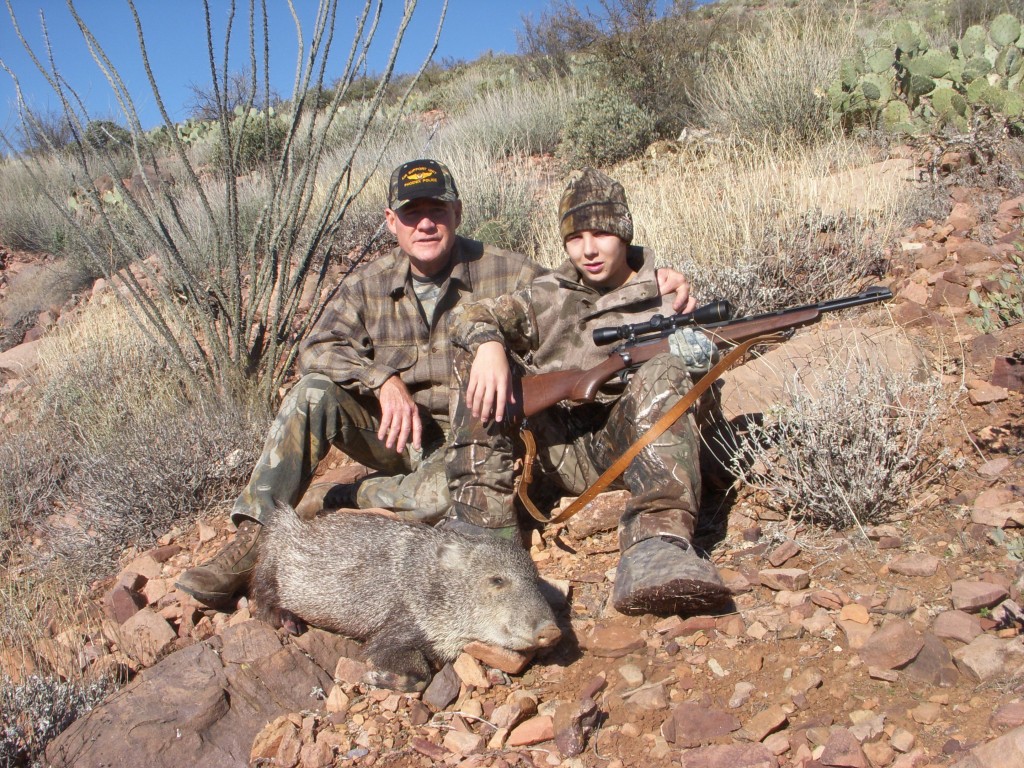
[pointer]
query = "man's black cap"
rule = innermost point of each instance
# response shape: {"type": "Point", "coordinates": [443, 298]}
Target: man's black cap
{"type": "Point", "coordinates": [418, 179]}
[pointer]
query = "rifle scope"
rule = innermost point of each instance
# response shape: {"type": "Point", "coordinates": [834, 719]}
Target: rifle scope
{"type": "Point", "coordinates": [715, 312]}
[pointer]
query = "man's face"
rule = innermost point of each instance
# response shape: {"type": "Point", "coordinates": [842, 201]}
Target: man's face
{"type": "Point", "coordinates": [599, 257]}
{"type": "Point", "coordinates": [425, 229]}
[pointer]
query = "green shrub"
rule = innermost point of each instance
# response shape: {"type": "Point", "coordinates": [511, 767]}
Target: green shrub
{"type": "Point", "coordinates": [603, 129]}
{"type": "Point", "coordinates": [106, 134]}
{"type": "Point", "coordinates": [254, 139]}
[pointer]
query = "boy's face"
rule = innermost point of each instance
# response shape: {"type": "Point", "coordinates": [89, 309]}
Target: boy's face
{"type": "Point", "coordinates": [599, 257]}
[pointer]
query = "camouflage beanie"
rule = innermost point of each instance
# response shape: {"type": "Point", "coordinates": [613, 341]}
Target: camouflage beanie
{"type": "Point", "coordinates": [594, 201]}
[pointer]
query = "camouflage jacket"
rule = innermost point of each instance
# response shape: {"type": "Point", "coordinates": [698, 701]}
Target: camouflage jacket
{"type": "Point", "coordinates": [548, 325]}
{"type": "Point", "coordinates": [373, 328]}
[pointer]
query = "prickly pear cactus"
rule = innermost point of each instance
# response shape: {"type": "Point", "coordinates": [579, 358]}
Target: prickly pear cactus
{"type": "Point", "coordinates": [899, 82]}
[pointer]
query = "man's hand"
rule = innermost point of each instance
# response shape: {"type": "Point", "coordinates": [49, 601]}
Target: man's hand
{"type": "Point", "coordinates": [670, 281]}
{"type": "Point", "coordinates": [399, 417]}
{"type": "Point", "coordinates": [490, 382]}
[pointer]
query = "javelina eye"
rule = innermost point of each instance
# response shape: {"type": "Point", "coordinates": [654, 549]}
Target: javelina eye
{"type": "Point", "coordinates": [497, 581]}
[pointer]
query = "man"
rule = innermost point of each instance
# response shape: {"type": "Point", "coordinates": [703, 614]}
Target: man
{"type": "Point", "coordinates": [375, 374]}
{"type": "Point", "coordinates": [605, 282]}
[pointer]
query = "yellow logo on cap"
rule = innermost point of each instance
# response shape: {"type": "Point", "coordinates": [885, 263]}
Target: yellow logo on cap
{"type": "Point", "coordinates": [419, 175]}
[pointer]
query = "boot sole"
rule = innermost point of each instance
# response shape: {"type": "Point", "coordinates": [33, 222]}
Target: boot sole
{"type": "Point", "coordinates": [681, 596]}
{"type": "Point", "coordinates": [210, 599]}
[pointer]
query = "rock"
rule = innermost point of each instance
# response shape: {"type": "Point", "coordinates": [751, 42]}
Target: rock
{"type": "Point", "coordinates": [985, 393]}
{"type": "Point", "coordinates": [902, 602]}
{"type": "Point", "coordinates": [443, 689]}
{"type": "Point", "coordinates": [470, 671]}
{"type": "Point", "coordinates": [245, 643]}
{"type": "Point", "coordinates": [533, 731]}
{"type": "Point", "coordinates": [740, 695]}
{"type": "Point", "coordinates": [728, 756]}
{"type": "Point", "coordinates": [843, 749]}
{"type": "Point", "coordinates": [806, 681]}
{"type": "Point", "coordinates": [430, 750]}
{"type": "Point", "coordinates": [20, 360]}
{"type": "Point", "coordinates": [988, 658]}
{"type": "Point", "coordinates": [785, 551]}
{"type": "Point", "coordinates": [572, 724]}
{"type": "Point", "coordinates": [350, 671]}
{"type": "Point", "coordinates": [934, 664]}
{"type": "Point", "coordinates": [505, 659]}
{"type": "Point", "coordinates": [146, 566]}
{"type": "Point", "coordinates": [957, 625]}
{"type": "Point", "coordinates": [1010, 715]}
{"type": "Point", "coordinates": [792, 579]}
{"type": "Point", "coordinates": [855, 612]}
{"type": "Point", "coordinates": [509, 715]}
{"type": "Point", "coordinates": [902, 740]}
{"type": "Point", "coordinates": [612, 641]}
{"type": "Point", "coordinates": [463, 743]}
{"type": "Point", "coordinates": [1006, 751]}
{"type": "Point", "coordinates": [192, 708]}
{"type": "Point", "coordinates": [895, 644]}
{"type": "Point", "coordinates": [926, 713]}
{"type": "Point", "coordinates": [602, 514]}
{"type": "Point", "coordinates": [326, 647]}
{"type": "Point", "coordinates": [765, 722]}
{"type": "Point", "coordinates": [970, 595]}
{"type": "Point", "coordinates": [857, 634]}
{"type": "Point", "coordinates": [121, 603]}
{"type": "Point", "coordinates": [146, 637]}
{"type": "Point", "coordinates": [691, 725]}
{"type": "Point", "coordinates": [915, 565]}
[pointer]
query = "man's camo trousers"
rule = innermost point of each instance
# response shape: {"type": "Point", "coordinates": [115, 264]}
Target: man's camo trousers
{"type": "Point", "coordinates": [317, 413]}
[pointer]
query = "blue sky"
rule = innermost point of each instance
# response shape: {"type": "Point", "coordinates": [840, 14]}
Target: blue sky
{"type": "Point", "coordinates": [175, 33]}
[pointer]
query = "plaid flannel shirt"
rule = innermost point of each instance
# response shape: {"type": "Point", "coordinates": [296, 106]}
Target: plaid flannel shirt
{"type": "Point", "coordinates": [373, 328]}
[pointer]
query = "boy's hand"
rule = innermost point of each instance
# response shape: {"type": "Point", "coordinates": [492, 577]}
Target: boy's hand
{"type": "Point", "coordinates": [490, 382]}
{"type": "Point", "coordinates": [399, 416]}
{"type": "Point", "coordinates": [670, 281]}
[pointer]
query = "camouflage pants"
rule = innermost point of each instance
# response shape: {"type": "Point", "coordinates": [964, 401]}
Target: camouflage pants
{"type": "Point", "coordinates": [576, 444]}
{"type": "Point", "coordinates": [318, 413]}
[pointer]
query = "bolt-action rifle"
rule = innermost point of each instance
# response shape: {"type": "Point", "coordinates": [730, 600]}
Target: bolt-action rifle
{"type": "Point", "coordinates": [643, 341]}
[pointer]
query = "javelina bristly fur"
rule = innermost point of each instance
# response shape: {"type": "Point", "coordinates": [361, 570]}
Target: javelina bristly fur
{"type": "Point", "coordinates": [416, 595]}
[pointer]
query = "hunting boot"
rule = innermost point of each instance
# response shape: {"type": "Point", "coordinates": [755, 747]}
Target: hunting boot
{"type": "Point", "coordinates": [666, 576]}
{"type": "Point", "coordinates": [218, 581]}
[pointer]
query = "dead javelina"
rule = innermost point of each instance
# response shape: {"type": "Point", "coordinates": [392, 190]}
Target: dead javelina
{"type": "Point", "coordinates": [414, 594]}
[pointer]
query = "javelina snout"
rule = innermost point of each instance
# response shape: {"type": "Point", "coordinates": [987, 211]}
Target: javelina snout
{"type": "Point", "coordinates": [417, 595]}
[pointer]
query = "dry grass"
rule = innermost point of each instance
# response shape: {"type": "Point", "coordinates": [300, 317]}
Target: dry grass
{"type": "Point", "coordinates": [848, 446]}
{"type": "Point", "coordinates": [761, 227]}
{"type": "Point", "coordinates": [770, 85]}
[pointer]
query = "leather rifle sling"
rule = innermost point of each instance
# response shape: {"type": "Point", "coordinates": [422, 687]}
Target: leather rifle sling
{"type": "Point", "coordinates": [656, 430]}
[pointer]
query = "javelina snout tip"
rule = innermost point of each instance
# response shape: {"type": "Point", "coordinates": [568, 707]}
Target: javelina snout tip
{"type": "Point", "coordinates": [548, 635]}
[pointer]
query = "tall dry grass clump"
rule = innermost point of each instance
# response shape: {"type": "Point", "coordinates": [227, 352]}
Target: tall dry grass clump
{"type": "Point", "coordinates": [769, 85]}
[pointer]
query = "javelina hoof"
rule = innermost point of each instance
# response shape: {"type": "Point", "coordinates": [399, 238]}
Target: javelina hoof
{"type": "Point", "coordinates": [400, 669]}
{"type": "Point", "coordinates": [293, 624]}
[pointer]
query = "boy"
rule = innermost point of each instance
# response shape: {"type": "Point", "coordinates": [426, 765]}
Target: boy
{"type": "Point", "coordinates": [548, 325]}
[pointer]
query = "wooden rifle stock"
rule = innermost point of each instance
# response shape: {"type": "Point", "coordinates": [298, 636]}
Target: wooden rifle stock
{"type": "Point", "coordinates": [580, 386]}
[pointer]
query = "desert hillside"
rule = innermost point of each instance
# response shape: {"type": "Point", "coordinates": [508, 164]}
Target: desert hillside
{"type": "Point", "coordinates": [155, 281]}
